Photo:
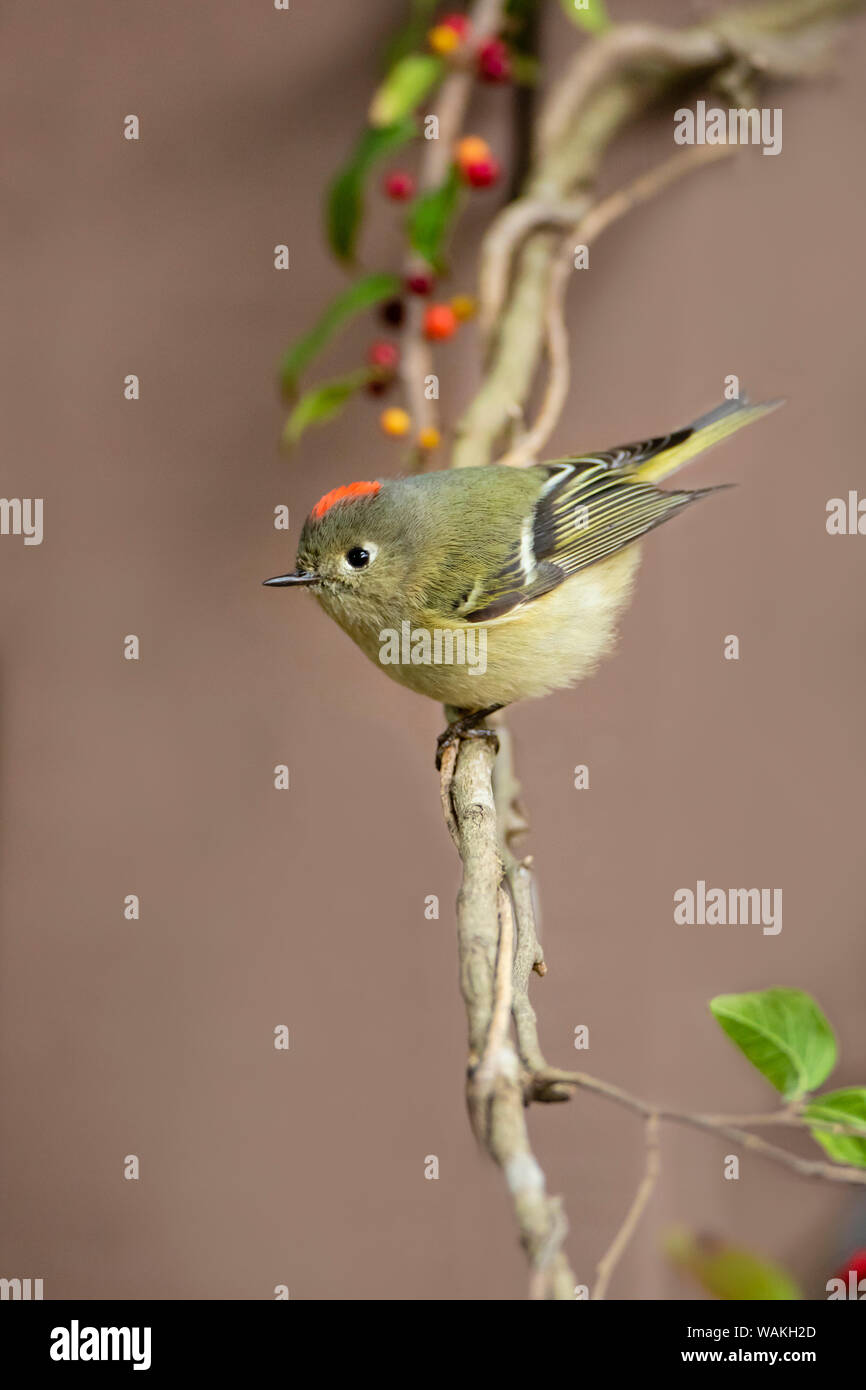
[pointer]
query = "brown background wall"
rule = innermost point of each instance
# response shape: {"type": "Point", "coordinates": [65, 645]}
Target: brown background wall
{"type": "Point", "coordinates": [306, 908]}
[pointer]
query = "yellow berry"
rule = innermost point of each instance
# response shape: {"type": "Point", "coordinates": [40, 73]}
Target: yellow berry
{"type": "Point", "coordinates": [395, 421]}
{"type": "Point", "coordinates": [429, 438]}
{"type": "Point", "coordinates": [464, 307]}
{"type": "Point", "coordinates": [443, 39]}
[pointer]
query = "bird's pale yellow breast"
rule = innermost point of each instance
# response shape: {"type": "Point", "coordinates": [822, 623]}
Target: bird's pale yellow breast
{"type": "Point", "coordinates": [546, 644]}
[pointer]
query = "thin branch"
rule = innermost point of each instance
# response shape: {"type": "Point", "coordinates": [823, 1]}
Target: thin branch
{"type": "Point", "coordinates": [607, 1264]}
{"type": "Point", "coordinates": [715, 1124]}
{"type": "Point", "coordinates": [525, 450]}
{"type": "Point", "coordinates": [508, 229]}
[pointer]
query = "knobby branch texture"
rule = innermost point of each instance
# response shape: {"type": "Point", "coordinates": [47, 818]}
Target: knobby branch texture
{"type": "Point", "coordinates": [524, 269]}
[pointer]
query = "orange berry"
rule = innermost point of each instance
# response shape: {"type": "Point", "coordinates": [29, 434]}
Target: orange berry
{"type": "Point", "coordinates": [395, 421]}
{"type": "Point", "coordinates": [440, 322]}
{"type": "Point", "coordinates": [429, 438]}
{"type": "Point", "coordinates": [464, 306]}
{"type": "Point", "coordinates": [471, 150]}
{"type": "Point", "coordinates": [443, 39]}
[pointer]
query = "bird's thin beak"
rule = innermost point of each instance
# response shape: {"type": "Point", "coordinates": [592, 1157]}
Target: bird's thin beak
{"type": "Point", "coordinates": [282, 580]}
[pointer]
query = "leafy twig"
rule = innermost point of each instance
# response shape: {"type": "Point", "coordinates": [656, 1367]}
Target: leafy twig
{"type": "Point", "coordinates": [416, 357]}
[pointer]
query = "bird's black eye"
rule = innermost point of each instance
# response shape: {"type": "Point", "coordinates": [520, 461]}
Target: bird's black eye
{"type": "Point", "coordinates": [358, 558]}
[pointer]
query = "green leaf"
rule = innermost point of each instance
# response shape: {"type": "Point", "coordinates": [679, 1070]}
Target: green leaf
{"type": "Point", "coordinates": [323, 403]}
{"type": "Point", "coordinates": [408, 82]}
{"type": "Point", "coordinates": [364, 293]}
{"type": "Point", "coordinates": [783, 1033]}
{"type": "Point", "coordinates": [589, 14]}
{"type": "Point", "coordinates": [727, 1271]}
{"type": "Point", "coordinates": [430, 218]}
{"type": "Point", "coordinates": [345, 201]}
{"type": "Point", "coordinates": [846, 1107]}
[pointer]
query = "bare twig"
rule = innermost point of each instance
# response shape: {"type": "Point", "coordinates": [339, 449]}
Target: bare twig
{"type": "Point", "coordinates": [525, 450]}
{"type": "Point", "coordinates": [506, 232]}
{"type": "Point", "coordinates": [716, 1124]}
{"type": "Point", "coordinates": [608, 1262]}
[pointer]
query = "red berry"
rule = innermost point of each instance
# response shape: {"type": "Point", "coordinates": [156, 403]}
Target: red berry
{"type": "Point", "coordinates": [481, 173]}
{"type": "Point", "coordinates": [855, 1262]}
{"type": "Point", "coordinates": [440, 322]}
{"type": "Point", "coordinates": [420, 283]}
{"type": "Point", "coordinates": [399, 186]}
{"type": "Point", "coordinates": [383, 354]}
{"type": "Point", "coordinates": [494, 62]}
{"type": "Point", "coordinates": [458, 22]}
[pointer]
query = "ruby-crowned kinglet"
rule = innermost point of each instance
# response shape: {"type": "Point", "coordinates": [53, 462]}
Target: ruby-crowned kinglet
{"type": "Point", "coordinates": [481, 586]}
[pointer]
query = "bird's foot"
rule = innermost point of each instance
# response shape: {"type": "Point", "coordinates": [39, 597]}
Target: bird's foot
{"type": "Point", "coordinates": [466, 727]}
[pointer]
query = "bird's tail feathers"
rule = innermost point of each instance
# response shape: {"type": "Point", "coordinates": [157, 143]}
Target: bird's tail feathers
{"type": "Point", "coordinates": [706, 431]}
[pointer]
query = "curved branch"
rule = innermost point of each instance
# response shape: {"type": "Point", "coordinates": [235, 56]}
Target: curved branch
{"type": "Point", "coordinates": [506, 232]}
{"type": "Point", "coordinates": [612, 80]}
{"type": "Point", "coordinates": [586, 231]}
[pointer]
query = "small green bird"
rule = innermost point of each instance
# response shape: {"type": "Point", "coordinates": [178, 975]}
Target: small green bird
{"type": "Point", "coordinates": [482, 586]}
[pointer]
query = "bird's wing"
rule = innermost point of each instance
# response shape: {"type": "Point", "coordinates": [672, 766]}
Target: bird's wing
{"type": "Point", "coordinates": [587, 509]}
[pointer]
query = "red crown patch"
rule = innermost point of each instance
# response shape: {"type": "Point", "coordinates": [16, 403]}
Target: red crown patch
{"type": "Point", "coordinates": [343, 494]}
